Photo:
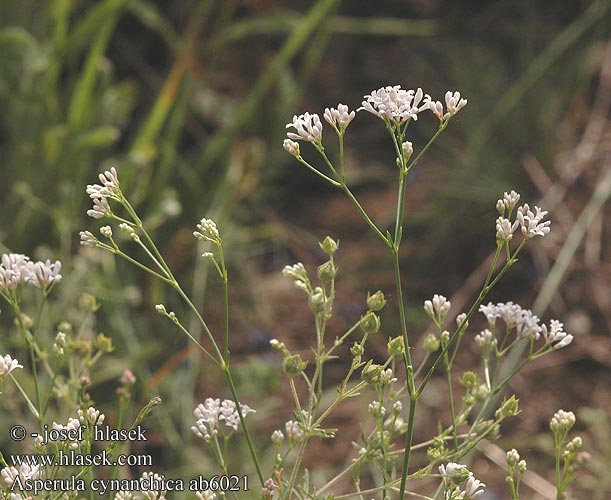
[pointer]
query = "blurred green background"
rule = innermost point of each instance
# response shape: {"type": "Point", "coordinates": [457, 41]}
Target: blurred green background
{"type": "Point", "coordinates": [189, 100]}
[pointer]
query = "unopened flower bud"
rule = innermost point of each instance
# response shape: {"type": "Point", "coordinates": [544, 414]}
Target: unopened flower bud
{"type": "Point", "coordinates": [509, 408]}
{"type": "Point", "coordinates": [88, 302]}
{"type": "Point", "coordinates": [376, 410]}
{"type": "Point", "coordinates": [103, 343]}
{"type": "Point", "coordinates": [329, 245]}
{"type": "Point", "coordinates": [397, 407]}
{"type": "Point", "coordinates": [408, 150]}
{"type": "Point", "coordinates": [294, 365]}
{"type": "Point", "coordinates": [291, 147]}
{"type": "Point", "coordinates": [376, 302]}
{"type": "Point", "coordinates": [327, 271]}
{"type": "Point", "coordinates": [160, 308]}
{"type": "Point", "coordinates": [396, 347]}
{"type": "Point", "coordinates": [357, 349]}
{"type": "Point", "coordinates": [522, 466]}
{"type": "Point", "coordinates": [106, 231]}
{"type": "Point", "coordinates": [371, 373]}
{"type": "Point", "coordinates": [277, 437]}
{"type": "Point", "coordinates": [370, 323]}
{"type": "Point", "coordinates": [562, 421]}
{"type": "Point", "coordinates": [512, 457]}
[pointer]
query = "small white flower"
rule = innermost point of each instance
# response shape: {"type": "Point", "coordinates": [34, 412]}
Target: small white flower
{"type": "Point", "coordinates": [209, 415]}
{"type": "Point", "coordinates": [291, 147]}
{"type": "Point", "coordinates": [339, 118]}
{"type": "Point", "coordinates": [7, 365]}
{"type": "Point", "coordinates": [207, 231]}
{"type": "Point", "coordinates": [531, 222]}
{"type": "Point", "coordinates": [308, 127]}
{"type": "Point", "coordinates": [106, 231]}
{"type": "Point", "coordinates": [491, 312]}
{"type": "Point", "coordinates": [24, 471]}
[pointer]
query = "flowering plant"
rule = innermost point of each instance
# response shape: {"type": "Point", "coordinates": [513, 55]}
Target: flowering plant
{"type": "Point", "coordinates": [383, 465]}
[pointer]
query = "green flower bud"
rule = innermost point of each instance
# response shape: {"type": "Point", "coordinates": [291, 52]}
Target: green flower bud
{"type": "Point", "coordinates": [370, 323]}
{"type": "Point", "coordinates": [376, 302]}
{"type": "Point", "coordinates": [294, 365]}
{"type": "Point", "coordinates": [357, 349]}
{"type": "Point", "coordinates": [430, 343]}
{"type": "Point", "coordinates": [509, 408]}
{"type": "Point", "coordinates": [481, 393]}
{"type": "Point", "coordinates": [103, 343]}
{"type": "Point", "coordinates": [327, 271]}
{"type": "Point", "coordinates": [329, 246]}
{"type": "Point", "coordinates": [468, 380]}
{"type": "Point", "coordinates": [88, 302]}
{"type": "Point", "coordinates": [396, 347]}
{"type": "Point", "coordinates": [371, 373]}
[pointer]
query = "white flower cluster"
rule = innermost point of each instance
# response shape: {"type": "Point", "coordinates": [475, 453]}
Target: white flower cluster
{"type": "Point", "coordinates": [395, 104]}
{"type": "Point", "coordinates": [72, 425]}
{"type": "Point", "coordinates": [299, 274]}
{"type": "Point", "coordinates": [456, 475]}
{"type": "Point", "coordinates": [149, 484]}
{"type": "Point", "coordinates": [16, 269]}
{"type": "Point", "coordinates": [24, 472]}
{"type": "Point", "coordinates": [525, 323]}
{"type": "Point", "coordinates": [207, 231]}
{"type": "Point", "coordinates": [91, 416]}
{"type": "Point", "coordinates": [109, 188]}
{"type": "Point", "coordinates": [339, 118]}
{"type": "Point", "coordinates": [562, 421]}
{"type": "Point", "coordinates": [210, 414]}
{"type": "Point", "coordinates": [437, 308]}
{"type": "Point", "coordinates": [7, 365]}
{"type": "Point", "coordinates": [392, 104]}
{"type": "Point", "coordinates": [308, 127]}
{"type": "Point", "coordinates": [531, 223]}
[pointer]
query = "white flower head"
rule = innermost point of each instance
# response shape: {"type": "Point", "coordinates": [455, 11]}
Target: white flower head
{"type": "Point", "coordinates": [43, 274]}
{"type": "Point", "coordinates": [100, 209]}
{"type": "Point", "coordinates": [339, 118]}
{"type": "Point", "coordinates": [91, 416]}
{"type": "Point", "coordinates": [505, 229]}
{"type": "Point", "coordinates": [394, 104]}
{"type": "Point", "coordinates": [484, 339]}
{"type": "Point", "coordinates": [474, 488]}
{"type": "Point", "coordinates": [308, 127]}
{"type": "Point", "coordinates": [562, 421]}
{"type": "Point", "coordinates": [7, 365]}
{"type": "Point", "coordinates": [14, 269]}
{"type": "Point", "coordinates": [24, 472]}
{"type": "Point", "coordinates": [437, 308]}
{"type": "Point", "coordinates": [454, 104]}
{"type": "Point", "coordinates": [508, 201]}
{"type": "Point", "coordinates": [88, 239]}
{"type": "Point", "coordinates": [531, 223]}
{"type": "Point", "coordinates": [209, 415]}
{"type": "Point", "coordinates": [291, 147]}
{"type": "Point", "coordinates": [207, 231]}
{"type": "Point", "coordinates": [555, 335]}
